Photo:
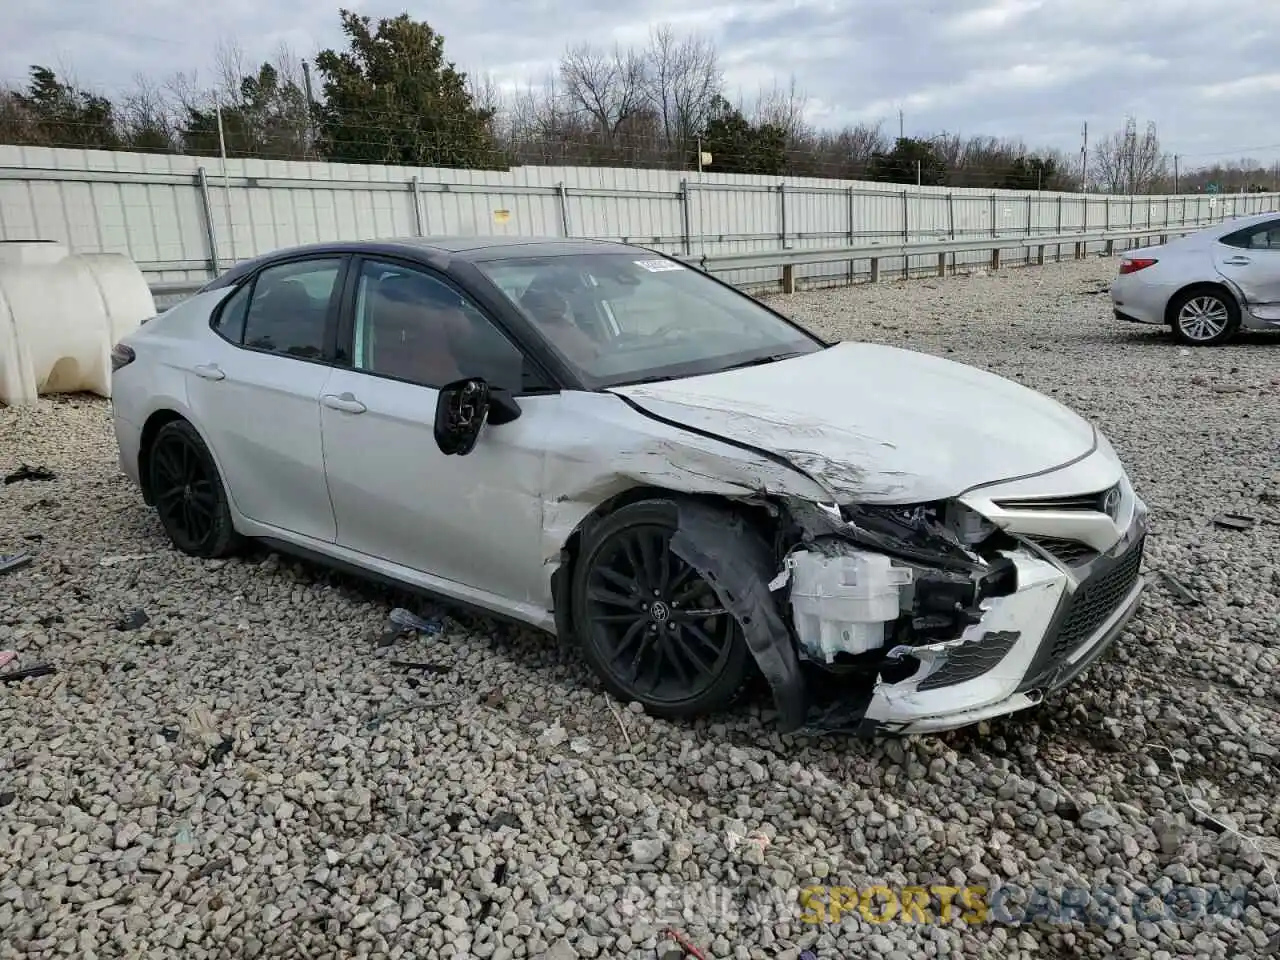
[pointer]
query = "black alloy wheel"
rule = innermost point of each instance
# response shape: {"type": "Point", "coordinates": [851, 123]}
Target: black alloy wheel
{"type": "Point", "coordinates": [188, 493]}
{"type": "Point", "coordinates": [649, 624]}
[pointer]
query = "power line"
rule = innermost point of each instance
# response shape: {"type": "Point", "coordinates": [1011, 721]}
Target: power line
{"type": "Point", "coordinates": [1239, 152]}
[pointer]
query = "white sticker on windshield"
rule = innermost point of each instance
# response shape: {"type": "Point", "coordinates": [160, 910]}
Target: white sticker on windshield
{"type": "Point", "coordinates": [659, 266]}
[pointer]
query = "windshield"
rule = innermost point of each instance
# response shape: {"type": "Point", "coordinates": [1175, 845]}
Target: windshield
{"type": "Point", "coordinates": [619, 318]}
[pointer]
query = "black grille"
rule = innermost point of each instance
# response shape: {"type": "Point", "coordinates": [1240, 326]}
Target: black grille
{"type": "Point", "coordinates": [1071, 552]}
{"type": "Point", "coordinates": [969, 660]}
{"type": "Point", "coordinates": [1095, 600]}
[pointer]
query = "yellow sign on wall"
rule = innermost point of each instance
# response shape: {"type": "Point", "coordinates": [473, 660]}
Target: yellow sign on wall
{"type": "Point", "coordinates": [501, 216]}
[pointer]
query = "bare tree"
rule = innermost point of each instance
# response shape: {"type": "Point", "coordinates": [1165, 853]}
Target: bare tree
{"type": "Point", "coordinates": [289, 66]}
{"type": "Point", "coordinates": [484, 91]}
{"type": "Point", "coordinates": [486, 94]}
{"type": "Point", "coordinates": [1128, 162]}
{"type": "Point", "coordinates": [543, 126]}
{"type": "Point", "coordinates": [609, 89]}
{"type": "Point", "coordinates": [16, 122]}
{"type": "Point", "coordinates": [231, 66]}
{"type": "Point", "coordinates": [684, 79]}
{"type": "Point", "coordinates": [186, 93]}
{"type": "Point", "coordinates": [783, 108]}
{"type": "Point", "coordinates": [842, 154]}
{"type": "Point", "coordinates": [147, 117]}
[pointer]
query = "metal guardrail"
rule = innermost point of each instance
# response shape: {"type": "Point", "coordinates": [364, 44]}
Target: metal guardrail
{"type": "Point", "coordinates": [720, 263]}
{"type": "Point", "coordinates": [788, 260]}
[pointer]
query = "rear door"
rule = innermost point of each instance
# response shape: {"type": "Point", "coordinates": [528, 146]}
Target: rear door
{"type": "Point", "coordinates": [1251, 259]}
{"type": "Point", "coordinates": [256, 388]}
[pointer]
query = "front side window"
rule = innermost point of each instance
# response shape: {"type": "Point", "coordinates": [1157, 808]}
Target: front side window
{"type": "Point", "coordinates": [621, 318]}
{"type": "Point", "coordinates": [413, 326]}
{"type": "Point", "coordinates": [285, 310]}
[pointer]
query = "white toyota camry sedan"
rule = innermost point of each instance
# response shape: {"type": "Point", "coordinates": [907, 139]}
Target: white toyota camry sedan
{"type": "Point", "coordinates": [622, 450]}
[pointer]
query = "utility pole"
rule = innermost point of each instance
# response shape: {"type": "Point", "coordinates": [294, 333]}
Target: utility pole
{"type": "Point", "coordinates": [917, 173]}
{"type": "Point", "coordinates": [1084, 160]}
{"type": "Point", "coordinates": [311, 103]}
{"type": "Point", "coordinates": [1175, 173]}
{"type": "Point", "coordinates": [901, 126]}
{"type": "Point", "coordinates": [226, 179]}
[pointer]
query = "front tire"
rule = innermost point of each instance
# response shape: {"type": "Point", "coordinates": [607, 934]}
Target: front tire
{"type": "Point", "coordinates": [650, 627]}
{"type": "Point", "coordinates": [1204, 317]}
{"type": "Point", "coordinates": [188, 493]}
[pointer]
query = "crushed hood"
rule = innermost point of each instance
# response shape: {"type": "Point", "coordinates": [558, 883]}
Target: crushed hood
{"type": "Point", "coordinates": [877, 423]}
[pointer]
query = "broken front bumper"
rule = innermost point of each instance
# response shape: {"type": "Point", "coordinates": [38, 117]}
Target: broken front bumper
{"type": "Point", "coordinates": [1037, 639]}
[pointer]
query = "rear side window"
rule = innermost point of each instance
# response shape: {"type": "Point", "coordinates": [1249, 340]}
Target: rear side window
{"type": "Point", "coordinates": [1262, 236]}
{"type": "Point", "coordinates": [284, 310]}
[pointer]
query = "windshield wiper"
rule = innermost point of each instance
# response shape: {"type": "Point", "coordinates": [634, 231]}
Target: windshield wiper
{"type": "Point", "coordinates": [658, 378]}
{"type": "Point", "coordinates": [760, 361]}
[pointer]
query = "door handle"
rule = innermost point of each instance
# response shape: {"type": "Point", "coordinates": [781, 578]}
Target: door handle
{"type": "Point", "coordinates": [210, 371]}
{"type": "Point", "coordinates": [1237, 261]}
{"type": "Point", "coordinates": [347, 403]}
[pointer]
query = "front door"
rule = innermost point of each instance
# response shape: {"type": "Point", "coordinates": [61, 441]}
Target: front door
{"type": "Point", "coordinates": [254, 391]}
{"type": "Point", "coordinates": [474, 519]}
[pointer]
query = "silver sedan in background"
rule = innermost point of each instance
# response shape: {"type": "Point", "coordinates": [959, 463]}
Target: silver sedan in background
{"type": "Point", "coordinates": [1208, 285]}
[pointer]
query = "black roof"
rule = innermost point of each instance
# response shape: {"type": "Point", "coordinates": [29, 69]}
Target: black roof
{"type": "Point", "coordinates": [467, 249]}
{"type": "Point", "coordinates": [496, 248]}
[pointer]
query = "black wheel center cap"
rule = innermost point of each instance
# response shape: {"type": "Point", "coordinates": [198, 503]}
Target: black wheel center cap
{"type": "Point", "coordinates": [659, 612]}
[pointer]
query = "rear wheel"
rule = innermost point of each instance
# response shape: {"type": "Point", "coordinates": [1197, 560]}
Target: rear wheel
{"type": "Point", "coordinates": [649, 625]}
{"type": "Point", "coordinates": [188, 493]}
{"type": "Point", "coordinates": [1204, 316]}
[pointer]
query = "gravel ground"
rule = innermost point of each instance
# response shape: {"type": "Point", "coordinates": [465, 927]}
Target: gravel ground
{"type": "Point", "coordinates": [231, 779]}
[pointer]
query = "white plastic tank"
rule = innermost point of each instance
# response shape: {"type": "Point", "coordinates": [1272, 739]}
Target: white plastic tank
{"type": "Point", "coordinates": [60, 314]}
{"type": "Point", "coordinates": [842, 603]}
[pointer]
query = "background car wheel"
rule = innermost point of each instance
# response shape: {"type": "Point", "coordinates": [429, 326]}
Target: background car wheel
{"type": "Point", "coordinates": [1204, 316]}
{"type": "Point", "coordinates": [188, 492]}
{"type": "Point", "coordinates": [650, 627]}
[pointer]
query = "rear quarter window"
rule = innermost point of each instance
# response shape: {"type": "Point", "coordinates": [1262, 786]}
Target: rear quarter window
{"type": "Point", "coordinates": [231, 317]}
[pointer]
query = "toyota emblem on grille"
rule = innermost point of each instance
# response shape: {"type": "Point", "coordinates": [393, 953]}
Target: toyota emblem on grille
{"type": "Point", "coordinates": [1111, 503]}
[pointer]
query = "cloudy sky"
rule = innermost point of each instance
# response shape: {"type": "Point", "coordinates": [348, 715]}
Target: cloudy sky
{"type": "Point", "coordinates": [1206, 71]}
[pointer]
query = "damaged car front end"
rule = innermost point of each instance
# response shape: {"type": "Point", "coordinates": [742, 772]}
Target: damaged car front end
{"type": "Point", "coordinates": [885, 619]}
{"type": "Point", "coordinates": [961, 562]}
{"type": "Point", "coordinates": [929, 617]}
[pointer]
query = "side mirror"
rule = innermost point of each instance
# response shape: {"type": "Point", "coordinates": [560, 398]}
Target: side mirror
{"type": "Point", "coordinates": [461, 411]}
{"type": "Point", "coordinates": [502, 406]}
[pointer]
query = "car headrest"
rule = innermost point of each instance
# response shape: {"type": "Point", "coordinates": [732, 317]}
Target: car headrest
{"type": "Point", "coordinates": [421, 291]}
{"type": "Point", "coordinates": [289, 296]}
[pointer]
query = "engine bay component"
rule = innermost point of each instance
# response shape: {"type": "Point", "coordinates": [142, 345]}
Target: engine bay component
{"type": "Point", "coordinates": [844, 602]}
